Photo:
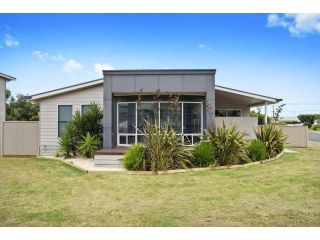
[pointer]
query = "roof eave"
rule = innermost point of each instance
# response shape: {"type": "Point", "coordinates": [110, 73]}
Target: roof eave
{"type": "Point", "coordinates": [7, 77]}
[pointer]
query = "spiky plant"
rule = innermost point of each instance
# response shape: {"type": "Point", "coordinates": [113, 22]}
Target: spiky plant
{"type": "Point", "coordinates": [273, 138]}
{"type": "Point", "coordinates": [229, 144]}
{"type": "Point", "coordinates": [88, 145]}
{"type": "Point", "coordinates": [93, 120]}
{"type": "Point", "coordinates": [164, 149]}
{"type": "Point", "coordinates": [68, 142]}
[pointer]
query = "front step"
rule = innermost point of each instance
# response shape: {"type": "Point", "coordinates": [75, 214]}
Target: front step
{"type": "Point", "coordinates": [109, 161]}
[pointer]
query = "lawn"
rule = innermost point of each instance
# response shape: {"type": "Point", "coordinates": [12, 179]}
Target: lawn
{"type": "Point", "coordinates": [40, 192]}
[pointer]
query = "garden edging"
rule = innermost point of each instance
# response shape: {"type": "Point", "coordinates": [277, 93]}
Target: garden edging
{"type": "Point", "coordinates": [208, 168]}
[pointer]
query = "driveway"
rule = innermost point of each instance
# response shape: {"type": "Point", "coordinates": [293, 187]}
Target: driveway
{"type": "Point", "coordinates": [314, 136]}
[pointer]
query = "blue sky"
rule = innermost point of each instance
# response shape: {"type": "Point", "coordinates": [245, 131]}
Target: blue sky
{"type": "Point", "coordinates": [276, 55]}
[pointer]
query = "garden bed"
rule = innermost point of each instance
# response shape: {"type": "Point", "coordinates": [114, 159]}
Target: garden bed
{"type": "Point", "coordinates": [208, 168]}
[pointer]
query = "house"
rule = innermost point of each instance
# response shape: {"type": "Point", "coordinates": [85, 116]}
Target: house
{"type": "Point", "coordinates": [4, 78]}
{"type": "Point", "coordinates": [200, 104]}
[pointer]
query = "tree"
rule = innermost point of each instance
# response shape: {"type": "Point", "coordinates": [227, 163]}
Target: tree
{"type": "Point", "coordinates": [278, 111]}
{"type": "Point", "coordinates": [260, 117]}
{"type": "Point", "coordinates": [20, 109]}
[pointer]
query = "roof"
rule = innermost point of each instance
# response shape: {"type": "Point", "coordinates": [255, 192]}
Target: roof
{"type": "Point", "coordinates": [7, 77]}
{"type": "Point", "coordinates": [253, 99]}
{"type": "Point", "coordinates": [63, 90]}
{"type": "Point", "coordinates": [159, 71]}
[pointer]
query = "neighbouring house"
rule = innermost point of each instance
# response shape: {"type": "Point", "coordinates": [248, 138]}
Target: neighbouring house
{"type": "Point", "coordinates": [201, 104]}
{"type": "Point", "coordinates": [3, 80]}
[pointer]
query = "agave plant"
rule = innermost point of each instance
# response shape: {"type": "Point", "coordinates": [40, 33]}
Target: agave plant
{"type": "Point", "coordinates": [273, 138]}
{"type": "Point", "coordinates": [88, 145]}
{"type": "Point", "coordinates": [229, 144]}
{"type": "Point", "coordinates": [164, 149]}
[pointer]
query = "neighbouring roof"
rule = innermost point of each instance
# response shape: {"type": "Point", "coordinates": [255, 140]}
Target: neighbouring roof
{"type": "Point", "coordinates": [7, 77]}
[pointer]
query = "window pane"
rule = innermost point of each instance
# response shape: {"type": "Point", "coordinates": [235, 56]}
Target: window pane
{"type": "Point", "coordinates": [64, 116]}
{"type": "Point", "coordinates": [123, 140]}
{"type": "Point", "coordinates": [131, 139]}
{"type": "Point", "coordinates": [127, 117]}
{"type": "Point", "coordinates": [147, 112]}
{"type": "Point", "coordinates": [234, 113]}
{"type": "Point", "coordinates": [140, 139]}
{"type": "Point", "coordinates": [84, 109]}
{"type": "Point", "coordinates": [220, 113]}
{"type": "Point", "coordinates": [187, 140]}
{"type": "Point", "coordinates": [61, 126]}
{"type": "Point", "coordinates": [192, 117]}
{"type": "Point", "coordinates": [64, 113]}
{"type": "Point", "coordinates": [171, 115]}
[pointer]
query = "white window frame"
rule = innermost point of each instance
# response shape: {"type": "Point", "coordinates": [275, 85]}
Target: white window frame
{"type": "Point", "coordinates": [136, 134]}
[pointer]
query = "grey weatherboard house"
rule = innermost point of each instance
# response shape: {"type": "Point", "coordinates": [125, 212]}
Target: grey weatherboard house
{"type": "Point", "coordinates": [201, 104]}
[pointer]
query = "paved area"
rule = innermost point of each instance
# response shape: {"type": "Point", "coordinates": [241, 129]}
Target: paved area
{"type": "Point", "coordinates": [289, 151]}
{"type": "Point", "coordinates": [314, 136]}
{"type": "Point", "coordinates": [88, 164]}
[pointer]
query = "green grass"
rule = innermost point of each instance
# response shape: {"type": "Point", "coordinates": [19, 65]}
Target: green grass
{"type": "Point", "coordinates": [40, 192]}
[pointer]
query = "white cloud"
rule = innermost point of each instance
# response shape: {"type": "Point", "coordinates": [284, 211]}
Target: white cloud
{"type": "Point", "coordinates": [204, 46]}
{"type": "Point", "coordinates": [297, 24]}
{"type": "Point", "coordinates": [72, 66]}
{"type": "Point", "coordinates": [40, 55]}
{"type": "Point", "coordinates": [10, 41]}
{"type": "Point", "coordinates": [58, 57]}
{"type": "Point", "coordinates": [98, 67]}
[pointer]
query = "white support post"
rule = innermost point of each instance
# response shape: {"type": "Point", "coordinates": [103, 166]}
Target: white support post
{"type": "Point", "coordinates": [265, 113]}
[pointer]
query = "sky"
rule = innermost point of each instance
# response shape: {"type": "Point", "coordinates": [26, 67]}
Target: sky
{"type": "Point", "coordinates": [277, 55]}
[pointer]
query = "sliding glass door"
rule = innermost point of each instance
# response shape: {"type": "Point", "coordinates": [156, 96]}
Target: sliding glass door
{"type": "Point", "coordinates": [185, 118]}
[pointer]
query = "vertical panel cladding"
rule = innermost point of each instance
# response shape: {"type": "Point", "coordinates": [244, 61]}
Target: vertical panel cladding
{"type": "Point", "coordinates": [210, 99]}
{"type": "Point", "coordinates": [117, 83]}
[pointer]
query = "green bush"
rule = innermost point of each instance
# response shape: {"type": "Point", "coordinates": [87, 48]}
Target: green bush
{"type": "Point", "coordinates": [164, 149]}
{"type": "Point", "coordinates": [133, 158]}
{"type": "Point", "coordinates": [229, 145]}
{"type": "Point", "coordinates": [272, 137]}
{"type": "Point", "coordinates": [257, 150]}
{"type": "Point", "coordinates": [88, 145]}
{"type": "Point", "coordinates": [309, 124]}
{"type": "Point", "coordinates": [315, 127]}
{"type": "Point", "coordinates": [203, 155]}
{"type": "Point", "coordinates": [76, 130]}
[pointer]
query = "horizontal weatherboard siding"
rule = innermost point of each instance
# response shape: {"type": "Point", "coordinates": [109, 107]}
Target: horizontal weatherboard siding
{"type": "Point", "coordinates": [49, 114]}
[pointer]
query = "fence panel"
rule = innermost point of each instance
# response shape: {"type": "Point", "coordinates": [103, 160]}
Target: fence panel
{"type": "Point", "coordinates": [297, 136]}
{"type": "Point", "coordinates": [20, 138]}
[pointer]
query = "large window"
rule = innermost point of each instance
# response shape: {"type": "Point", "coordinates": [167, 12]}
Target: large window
{"type": "Point", "coordinates": [185, 118]}
{"type": "Point", "coordinates": [64, 116]}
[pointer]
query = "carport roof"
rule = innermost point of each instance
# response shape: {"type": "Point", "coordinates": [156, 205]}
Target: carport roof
{"type": "Point", "coordinates": [250, 99]}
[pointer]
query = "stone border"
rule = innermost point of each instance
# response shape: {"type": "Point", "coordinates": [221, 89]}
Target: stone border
{"type": "Point", "coordinates": [207, 168]}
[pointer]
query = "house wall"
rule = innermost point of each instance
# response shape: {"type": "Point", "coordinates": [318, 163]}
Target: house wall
{"type": "Point", "coordinates": [2, 108]}
{"type": "Point", "coordinates": [49, 114]}
{"type": "Point", "coordinates": [226, 103]}
{"type": "Point", "coordinates": [182, 82]}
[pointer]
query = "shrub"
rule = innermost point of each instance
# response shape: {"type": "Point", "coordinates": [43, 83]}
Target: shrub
{"type": "Point", "coordinates": [229, 145]}
{"type": "Point", "coordinates": [88, 145]}
{"type": "Point", "coordinates": [309, 124]}
{"type": "Point", "coordinates": [133, 158]}
{"type": "Point", "coordinates": [257, 150]}
{"type": "Point", "coordinates": [68, 143]}
{"type": "Point", "coordinates": [203, 155]}
{"type": "Point", "coordinates": [315, 127]}
{"type": "Point", "coordinates": [164, 149]}
{"type": "Point", "coordinates": [272, 137]}
{"type": "Point", "coordinates": [77, 129]}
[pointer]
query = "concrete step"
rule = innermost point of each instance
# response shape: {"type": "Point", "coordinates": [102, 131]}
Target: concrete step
{"type": "Point", "coordinates": [110, 161]}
